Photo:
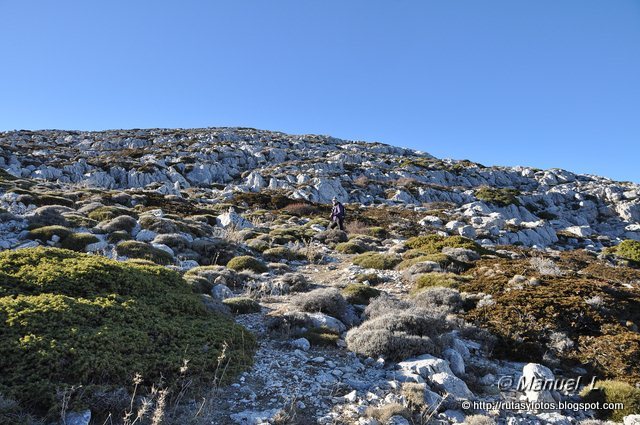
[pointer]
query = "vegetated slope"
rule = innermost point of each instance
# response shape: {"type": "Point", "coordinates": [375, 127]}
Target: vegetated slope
{"type": "Point", "coordinates": [503, 205]}
{"type": "Point", "coordinates": [437, 257]}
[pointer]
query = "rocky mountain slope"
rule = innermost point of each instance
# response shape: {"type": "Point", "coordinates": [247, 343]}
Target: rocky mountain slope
{"type": "Point", "coordinates": [189, 277]}
{"type": "Point", "coordinates": [495, 205]}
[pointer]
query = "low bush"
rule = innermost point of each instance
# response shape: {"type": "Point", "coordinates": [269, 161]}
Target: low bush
{"type": "Point", "coordinates": [135, 249]}
{"type": "Point", "coordinates": [175, 241]}
{"type": "Point", "coordinates": [50, 215]}
{"type": "Point", "coordinates": [242, 305]}
{"type": "Point", "coordinates": [614, 392]}
{"type": "Point", "coordinates": [429, 280]}
{"type": "Point", "coordinates": [109, 213]}
{"type": "Point", "coordinates": [302, 209]}
{"type": "Point", "coordinates": [123, 222]}
{"type": "Point", "coordinates": [359, 293]}
{"type": "Point", "coordinates": [439, 298]}
{"type": "Point", "coordinates": [331, 237]}
{"type": "Point", "coordinates": [78, 241]}
{"type": "Point", "coordinates": [414, 394]}
{"type": "Point", "coordinates": [296, 282]}
{"type": "Point", "coordinates": [372, 260]}
{"type": "Point", "coordinates": [258, 244]}
{"type": "Point", "coordinates": [409, 259]}
{"type": "Point", "coordinates": [247, 262]}
{"type": "Point", "coordinates": [118, 236]}
{"type": "Point", "coordinates": [321, 337]}
{"type": "Point", "coordinates": [378, 232]}
{"type": "Point", "coordinates": [371, 278]}
{"type": "Point", "coordinates": [350, 248]}
{"type": "Point", "coordinates": [44, 234]}
{"type": "Point", "coordinates": [75, 319]}
{"type": "Point", "coordinates": [433, 244]}
{"type": "Point", "coordinates": [499, 196]}
{"type": "Point", "coordinates": [386, 412]}
{"type": "Point", "coordinates": [282, 253]}
{"type": "Point", "coordinates": [629, 249]}
{"type": "Point", "coordinates": [398, 335]}
{"type": "Point", "coordinates": [77, 220]}
{"type": "Point", "coordinates": [323, 300]}
{"type": "Point", "coordinates": [484, 420]}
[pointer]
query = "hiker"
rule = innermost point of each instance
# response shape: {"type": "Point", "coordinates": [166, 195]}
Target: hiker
{"type": "Point", "coordinates": [337, 215]}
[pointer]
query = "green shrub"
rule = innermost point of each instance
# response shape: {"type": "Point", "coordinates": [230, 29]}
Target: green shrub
{"type": "Point", "coordinates": [135, 249]}
{"type": "Point", "coordinates": [242, 305]}
{"type": "Point", "coordinates": [372, 278]}
{"type": "Point", "coordinates": [629, 249]}
{"type": "Point", "coordinates": [359, 293]}
{"type": "Point", "coordinates": [350, 248]}
{"type": "Point", "coordinates": [258, 244]}
{"type": "Point", "coordinates": [429, 280]}
{"type": "Point", "coordinates": [378, 232]}
{"type": "Point", "coordinates": [77, 220]}
{"type": "Point", "coordinates": [44, 234]}
{"type": "Point", "coordinates": [5, 176]}
{"type": "Point", "coordinates": [433, 244]}
{"type": "Point", "coordinates": [119, 236]}
{"type": "Point", "coordinates": [75, 319]}
{"type": "Point", "coordinates": [109, 213]}
{"type": "Point", "coordinates": [372, 260]}
{"type": "Point", "coordinates": [280, 252]}
{"type": "Point", "coordinates": [323, 300]}
{"type": "Point", "coordinates": [321, 337]}
{"type": "Point", "coordinates": [247, 262]}
{"type": "Point", "coordinates": [386, 412]}
{"type": "Point", "coordinates": [611, 391]}
{"type": "Point", "coordinates": [410, 258]}
{"type": "Point", "coordinates": [78, 241]}
{"type": "Point", "coordinates": [498, 196]}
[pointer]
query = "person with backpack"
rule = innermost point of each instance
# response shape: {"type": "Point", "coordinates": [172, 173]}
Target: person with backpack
{"type": "Point", "coordinates": [337, 215]}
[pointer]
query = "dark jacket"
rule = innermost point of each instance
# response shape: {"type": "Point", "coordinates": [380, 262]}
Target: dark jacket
{"type": "Point", "coordinates": [337, 211]}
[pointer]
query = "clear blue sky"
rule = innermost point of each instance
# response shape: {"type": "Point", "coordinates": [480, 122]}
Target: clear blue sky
{"type": "Point", "coordinates": [546, 83]}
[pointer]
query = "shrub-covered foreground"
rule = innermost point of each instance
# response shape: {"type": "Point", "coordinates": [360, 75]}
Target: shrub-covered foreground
{"type": "Point", "coordinates": [74, 319]}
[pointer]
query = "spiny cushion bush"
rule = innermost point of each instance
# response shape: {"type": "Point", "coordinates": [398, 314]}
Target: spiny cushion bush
{"type": "Point", "coordinates": [385, 413]}
{"type": "Point", "coordinates": [323, 300]}
{"type": "Point", "coordinates": [323, 337]}
{"type": "Point", "coordinates": [377, 232]}
{"type": "Point", "coordinates": [78, 241]}
{"type": "Point", "coordinates": [351, 248]}
{"type": "Point", "coordinates": [359, 293]}
{"type": "Point", "coordinates": [611, 391]}
{"type": "Point", "coordinates": [438, 298]}
{"type": "Point", "coordinates": [109, 213]}
{"type": "Point", "coordinates": [282, 253]}
{"type": "Point", "coordinates": [44, 234]}
{"type": "Point", "coordinates": [123, 222]}
{"type": "Point", "coordinates": [629, 249]}
{"type": "Point", "coordinates": [135, 249]}
{"type": "Point", "coordinates": [242, 305]}
{"type": "Point", "coordinates": [429, 280]}
{"type": "Point", "coordinates": [77, 220]}
{"type": "Point", "coordinates": [76, 319]}
{"type": "Point", "coordinates": [118, 236]}
{"type": "Point", "coordinates": [498, 196]}
{"type": "Point", "coordinates": [247, 262]}
{"type": "Point", "coordinates": [373, 260]}
{"type": "Point", "coordinates": [372, 278]}
{"type": "Point", "coordinates": [433, 244]}
{"type": "Point", "coordinates": [409, 259]}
